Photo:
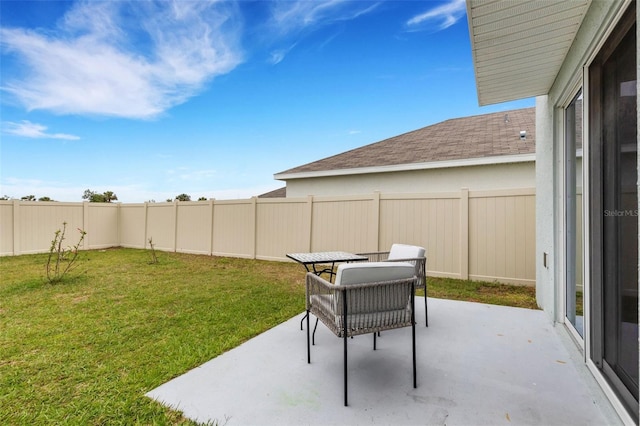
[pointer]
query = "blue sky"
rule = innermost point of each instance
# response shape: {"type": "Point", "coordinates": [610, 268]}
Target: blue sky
{"type": "Point", "coordinates": [155, 99]}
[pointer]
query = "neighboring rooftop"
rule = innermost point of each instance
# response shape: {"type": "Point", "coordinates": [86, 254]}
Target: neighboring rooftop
{"type": "Point", "coordinates": [480, 136]}
{"type": "Point", "coordinates": [276, 193]}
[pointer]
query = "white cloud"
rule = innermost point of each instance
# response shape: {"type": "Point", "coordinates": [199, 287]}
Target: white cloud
{"type": "Point", "coordinates": [28, 129]}
{"type": "Point", "coordinates": [293, 15]}
{"type": "Point", "coordinates": [293, 19]}
{"type": "Point", "coordinates": [93, 64]}
{"type": "Point", "coordinates": [438, 18]}
{"type": "Point", "coordinates": [278, 55]}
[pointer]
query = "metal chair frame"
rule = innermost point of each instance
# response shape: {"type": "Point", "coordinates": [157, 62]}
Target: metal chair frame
{"type": "Point", "coordinates": [344, 309]}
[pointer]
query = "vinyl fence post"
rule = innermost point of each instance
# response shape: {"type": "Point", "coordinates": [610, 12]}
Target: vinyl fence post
{"type": "Point", "coordinates": [376, 221]}
{"type": "Point", "coordinates": [309, 216]}
{"type": "Point", "coordinates": [254, 226]}
{"type": "Point", "coordinates": [464, 233]}
{"type": "Point", "coordinates": [175, 225]}
{"type": "Point", "coordinates": [17, 231]}
{"type": "Point", "coordinates": [212, 202]}
{"type": "Point", "coordinates": [146, 224]}
{"type": "Point", "coordinates": [86, 225]}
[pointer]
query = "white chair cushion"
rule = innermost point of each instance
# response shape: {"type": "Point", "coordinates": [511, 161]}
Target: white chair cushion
{"type": "Point", "coordinates": [404, 251]}
{"type": "Point", "coordinates": [358, 273]}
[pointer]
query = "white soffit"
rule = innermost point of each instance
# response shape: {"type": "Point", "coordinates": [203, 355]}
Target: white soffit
{"type": "Point", "coordinates": [518, 46]}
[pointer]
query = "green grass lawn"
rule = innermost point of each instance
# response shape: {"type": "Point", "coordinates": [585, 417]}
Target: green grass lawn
{"type": "Point", "coordinates": [85, 351]}
{"type": "Point", "coordinates": [482, 292]}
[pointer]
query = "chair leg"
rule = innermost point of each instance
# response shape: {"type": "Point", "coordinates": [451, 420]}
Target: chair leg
{"type": "Point", "coordinates": [426, 316]}
{"type": "Point", "coordinates": [413, 339]}
{"type": "Point", "coordinates": [313, 337]}
{"type": "Point", "coordinates": [308, 345]}
{"type": "Point", "coordinates": [344, 331]}
{"type": "Point", "coordinates": [345, 368]}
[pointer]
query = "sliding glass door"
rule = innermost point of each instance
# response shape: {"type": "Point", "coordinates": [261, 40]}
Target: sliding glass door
{"type": "Point", "coordinates": [614, 211]}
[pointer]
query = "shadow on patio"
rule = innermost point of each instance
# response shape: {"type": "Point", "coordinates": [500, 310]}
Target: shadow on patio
{"type": "Point", "coordinates": [477, 364]}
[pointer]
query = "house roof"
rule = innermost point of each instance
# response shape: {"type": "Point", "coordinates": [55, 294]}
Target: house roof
{"type": "Point", "coordinates": [519, 47]}
{"type": "Point", "coordinates": [276, 193]}
{"type": "Point", "coordinates": [481, 138]}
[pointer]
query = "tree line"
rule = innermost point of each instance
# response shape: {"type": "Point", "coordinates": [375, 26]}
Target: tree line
{"type": "Point", "coordinates": [104, 197]}
{"type": "Point", "coordinates": [27, 198]}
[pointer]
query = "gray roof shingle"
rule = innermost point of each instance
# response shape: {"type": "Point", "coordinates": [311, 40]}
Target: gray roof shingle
{"type": "Point", "coordinates": [479, 136]}
{"type": "Point", "coordinates": [276, 193]}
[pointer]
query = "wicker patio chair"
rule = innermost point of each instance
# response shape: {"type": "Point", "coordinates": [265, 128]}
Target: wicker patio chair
{"type": "Point", "coordinates": [406, 253]}
{"type": "Point", "coordinates": [365, 298]}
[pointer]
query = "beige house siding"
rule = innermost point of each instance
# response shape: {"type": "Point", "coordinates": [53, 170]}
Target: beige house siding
{"type": "Point", "coordinates": [474, 177]}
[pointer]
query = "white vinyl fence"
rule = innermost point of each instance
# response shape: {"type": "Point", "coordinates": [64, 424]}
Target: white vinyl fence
{"type": "Point", "coordinates": [484, 235]}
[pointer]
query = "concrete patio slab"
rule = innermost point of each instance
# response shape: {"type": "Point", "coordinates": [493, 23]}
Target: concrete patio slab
{"type": "Point", "coordinates": [477, 365]}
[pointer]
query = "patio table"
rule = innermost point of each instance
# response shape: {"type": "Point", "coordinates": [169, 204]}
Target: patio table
{"type": "Point", "coordinates": [311, 261]}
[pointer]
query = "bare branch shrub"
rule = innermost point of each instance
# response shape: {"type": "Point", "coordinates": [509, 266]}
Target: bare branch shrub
{"type": "Point", "coordinates": [154, 256]}
{"type": "Point", "coordinates": [61, 259]}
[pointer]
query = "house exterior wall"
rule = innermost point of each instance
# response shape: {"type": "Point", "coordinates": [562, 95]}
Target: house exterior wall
{"type": "Point", "coordinates": [549, 153]}
{"type": "Point", "coordinates": [545, 202]}
{"type": "Point", "coordinates": [476, 178]}
{"type": "Point", "coordinates": [550, 222]}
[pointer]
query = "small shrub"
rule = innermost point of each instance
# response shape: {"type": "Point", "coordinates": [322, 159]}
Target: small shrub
{"type": "Point", "coordinates": [154, 256]}
{"type": "Point", "coordinates": [61, 259]}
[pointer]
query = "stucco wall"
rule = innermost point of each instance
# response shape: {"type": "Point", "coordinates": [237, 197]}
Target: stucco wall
{"type": "Point", "coordinates": [549, 156]}
{"type": "Point", "coordinates": [545, 222]}
{"type": "Point", "coordinates": [476, 178]}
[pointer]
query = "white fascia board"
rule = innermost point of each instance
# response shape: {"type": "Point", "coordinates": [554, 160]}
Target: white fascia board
{"type": "Point", "coordinates": [483, 161]}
